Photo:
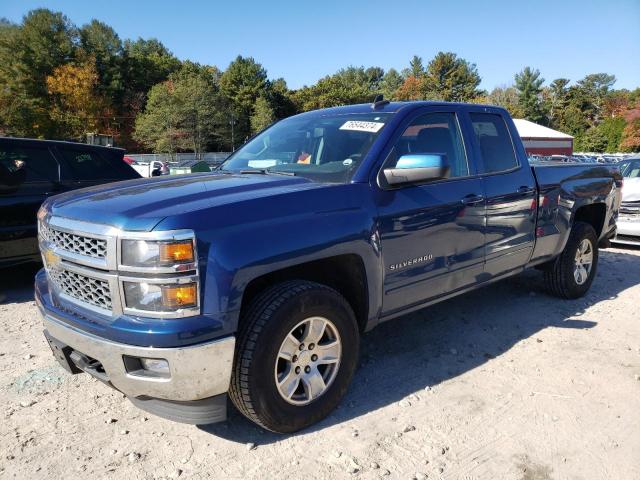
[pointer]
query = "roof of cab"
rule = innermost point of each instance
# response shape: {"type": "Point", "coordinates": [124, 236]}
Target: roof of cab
{"type": "Point", "coordinates": [56, 142]}
{"type": "Point", "coordinates": [391, 107]}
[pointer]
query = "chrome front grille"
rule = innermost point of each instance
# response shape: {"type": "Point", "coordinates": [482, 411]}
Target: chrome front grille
{"type": "Point", "coordinates": [84, 268]}
{"type": "Point", "coordinates": [630, 209]}
{"type": "Point", "coordinates": [89, 290]}
{"type": "Point", "coordinates": [74, 243]}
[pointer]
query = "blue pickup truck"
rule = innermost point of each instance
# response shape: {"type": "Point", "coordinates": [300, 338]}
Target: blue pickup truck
{"type": "Point", "coordinates": [255, 282]}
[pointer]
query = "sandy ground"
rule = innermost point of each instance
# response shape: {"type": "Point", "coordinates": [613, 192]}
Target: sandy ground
{"type": "Point", "coordinates": [503, 383]}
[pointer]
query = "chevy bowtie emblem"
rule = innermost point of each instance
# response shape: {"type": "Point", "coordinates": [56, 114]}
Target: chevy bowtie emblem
{"type": "Point", "coordinates": [51, 258]}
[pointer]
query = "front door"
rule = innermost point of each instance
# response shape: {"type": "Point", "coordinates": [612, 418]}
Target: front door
{"type": "Point", "coordinates": [432, 235]}
{"type": "Point", "coordinates": [28, 175]}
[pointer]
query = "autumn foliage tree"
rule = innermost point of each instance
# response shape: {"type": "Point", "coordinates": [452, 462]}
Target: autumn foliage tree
{"type": "Point", "coordinates": [59, 80]}
{"type": "Point", "coordinates": [411, 89]}
{"type": "Point", "coordinates": [77, 106]}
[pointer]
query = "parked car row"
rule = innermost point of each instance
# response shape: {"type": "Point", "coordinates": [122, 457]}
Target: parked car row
{"type": "Point", "coordinates": [579, 158]}
{"type": "Point", "coordinates": [31, 171]}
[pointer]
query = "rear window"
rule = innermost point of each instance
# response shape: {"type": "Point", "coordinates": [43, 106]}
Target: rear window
{"type": "Point", "coordinates": [88, 165]}
{"type": "Point", "coordinates": [495, 142]}
{"type": "Point", "coordinates": [27, 164]}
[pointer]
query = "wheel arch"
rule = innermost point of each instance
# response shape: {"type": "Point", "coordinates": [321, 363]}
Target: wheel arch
{"type": "Point", "coordinates": [344, 273]}
{"type": "Point", "coordinates": [594, 214]}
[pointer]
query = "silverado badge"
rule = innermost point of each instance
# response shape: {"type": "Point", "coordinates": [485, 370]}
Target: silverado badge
{"type": "Point", "coordinates": [406, 263]}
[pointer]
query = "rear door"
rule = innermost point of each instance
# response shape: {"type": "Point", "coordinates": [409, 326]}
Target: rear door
{"type": "Point", "coordinates": [432, 235]}
{"type": "Point", "coordinates": [510, 191]}
{"type": "Point", "coordinates": [28, 174]}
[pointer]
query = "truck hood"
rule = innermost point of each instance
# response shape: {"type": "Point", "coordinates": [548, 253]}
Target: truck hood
{"type": "Point", "coordinates": [140, 204]}
{"type": "Point", "coordinates": [631, 190]}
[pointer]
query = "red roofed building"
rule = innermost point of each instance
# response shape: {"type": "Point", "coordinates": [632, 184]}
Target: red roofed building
{"type": "Point", "coordinates": [539, 140]}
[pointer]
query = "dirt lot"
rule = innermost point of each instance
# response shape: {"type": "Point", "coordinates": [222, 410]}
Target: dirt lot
{"type": "Point", "coordinates": [504, 383]}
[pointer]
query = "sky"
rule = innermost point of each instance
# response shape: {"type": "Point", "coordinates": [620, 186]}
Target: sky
{"type": "Point", "coordinates": [303, 41]}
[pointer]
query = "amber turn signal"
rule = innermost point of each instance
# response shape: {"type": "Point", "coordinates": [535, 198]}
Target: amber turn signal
{"type": "Point", "coordinates": [180, 296]}
{"type": "Point", "coordinates": [178, 252]}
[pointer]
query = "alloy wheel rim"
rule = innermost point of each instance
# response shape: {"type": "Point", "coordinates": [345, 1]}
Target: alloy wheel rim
{"type": "Point", "coordinates": [308, 361]}
{"type": "Point", "coordinates": [583, 262]}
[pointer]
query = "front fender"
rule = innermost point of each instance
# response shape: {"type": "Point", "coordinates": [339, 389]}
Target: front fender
{"type": "Point", "coordinates": [260, 239]}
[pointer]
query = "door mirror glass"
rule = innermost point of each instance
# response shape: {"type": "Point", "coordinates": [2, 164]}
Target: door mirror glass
{"type": "Point", "coordinates": [418, 168]}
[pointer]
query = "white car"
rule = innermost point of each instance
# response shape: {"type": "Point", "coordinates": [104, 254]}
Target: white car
{"type": "Point", "coordinates": [154, 168]}
{"type": "Point", "coordinates": [629, 219]}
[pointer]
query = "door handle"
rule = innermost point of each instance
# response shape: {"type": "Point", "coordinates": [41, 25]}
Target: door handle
{"type": "Point", "coordinates": [524, 189]}
{"type": "Point", "coordinates": [472, 199]}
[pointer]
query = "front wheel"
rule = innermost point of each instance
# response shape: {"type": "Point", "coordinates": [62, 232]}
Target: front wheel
{"type": "Point", "coordinates": [571, 274]}
{"type": "Point", "coordinates": [296, 354]}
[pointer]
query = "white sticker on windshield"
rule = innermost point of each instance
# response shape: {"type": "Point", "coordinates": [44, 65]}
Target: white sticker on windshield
{"type": "Point", "coordinates": [262, 163]}
{"type": "Point", "coordinates": [358, 126]}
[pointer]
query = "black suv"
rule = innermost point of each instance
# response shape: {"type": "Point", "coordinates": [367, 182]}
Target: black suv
{"type": "Point", "coordinates": [31, 171]}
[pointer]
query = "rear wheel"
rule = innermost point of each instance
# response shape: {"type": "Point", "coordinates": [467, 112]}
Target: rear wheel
{"type": "Point", "coordinates": [571, 274]}
{"type": "Point", "coordinates": [296, 354]}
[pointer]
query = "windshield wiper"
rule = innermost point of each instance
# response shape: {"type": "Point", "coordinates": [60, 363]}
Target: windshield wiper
{"type": "Point", "coordinates": [264, 171]}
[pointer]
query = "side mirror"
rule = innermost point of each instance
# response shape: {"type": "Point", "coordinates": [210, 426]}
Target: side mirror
{"type": "Point", "coordinates": [418, 168]}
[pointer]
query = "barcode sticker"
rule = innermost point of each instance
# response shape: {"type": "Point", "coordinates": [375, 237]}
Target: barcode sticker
{"type": "Point", "coordinates": [371, 127]}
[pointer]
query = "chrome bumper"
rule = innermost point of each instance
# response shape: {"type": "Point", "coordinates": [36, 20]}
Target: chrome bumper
{"type": "Point", "coordinates": [628, 232]}
{"type": "Point", "coordinates": [196, 372]}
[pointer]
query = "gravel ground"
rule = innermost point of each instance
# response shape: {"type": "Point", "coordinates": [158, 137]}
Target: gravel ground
{"type": "Point", "coordinates": [503, 383]}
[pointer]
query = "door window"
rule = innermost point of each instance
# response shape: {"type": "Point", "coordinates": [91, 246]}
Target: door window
{"type": "Point", "coordinates": [86, 165]}
{"type": "Point", "coordinates": [495, 142]}
{"type": "Point", "coordinates": [434, 133]}
{"type": "Point", "coordinates": [26, 164]}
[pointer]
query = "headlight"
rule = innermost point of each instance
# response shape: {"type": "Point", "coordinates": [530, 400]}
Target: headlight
{"type": "Point", "coordinates": [42, 212]}
{"type": "Point", "coordinates": [160, 297]}
{"type": "Point", "coordinates": [144, 253]}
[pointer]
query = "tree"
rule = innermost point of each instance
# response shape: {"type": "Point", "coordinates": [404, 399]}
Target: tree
{"type": "Point", "coordinates": [612, 129]}
{"type": "Point", "coordinates": [185, 112]}
{"type": "Point", "coordinates": [102, 43]}
{"type": "Point", "coordinates": [594, 140]}
{"type": "Point", "coordinates": [347, 86]}
{"type": "Point", "coordinates": [506, 97]}
{"type": "Point", "coordinates": [78, 107]}
{"type": "Point", "coordinates": [242, 83]}
{"type": "Point", "coordinates": [280, 99]}
{"type": "Point", "coordinates": [415, 67]}
{"type": "Point", "coordinates": [411, 89]}
{"type": "Point", "coordinates": [596, 87]}
{"type": "Point", "coordinates": [529, 85]}
{"type": "Point", "coordinates": [263, 115]}
{"type": "Point", "coordinates": [390, 83]}
{"type": "Point", "coordinates": [556, 99]}
{"type": "Point", "coordinates": [374, 76]}
{"type": "Point", "coordinates": [451, 78]}
{"type": "Point", "coordinates": [631, 135]}
{"type": "Point", "coordinates": [145, 64]}
{"type": "Point", "coordinates": [28, 54]}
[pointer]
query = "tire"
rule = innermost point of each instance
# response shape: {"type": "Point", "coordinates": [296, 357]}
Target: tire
{"type": "Point", "coordinates": [258, 366]}
{"type": "Point", "coordinates": [560, 276]}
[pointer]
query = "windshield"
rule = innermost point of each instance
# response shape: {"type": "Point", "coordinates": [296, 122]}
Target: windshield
{"type": "Point", "coordinates": [322, 148]}
{"type": "Point", "coordinates": [630, 169]}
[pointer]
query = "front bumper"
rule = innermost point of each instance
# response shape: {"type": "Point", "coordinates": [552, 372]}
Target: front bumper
{"type": "Point", "coordinates": [196, 372]}
{"type": "Point", "coordinates": [628, 232]}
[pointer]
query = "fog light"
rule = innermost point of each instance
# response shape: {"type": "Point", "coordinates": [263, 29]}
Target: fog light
{"type": "Point", "coordinates": [156, 365]}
